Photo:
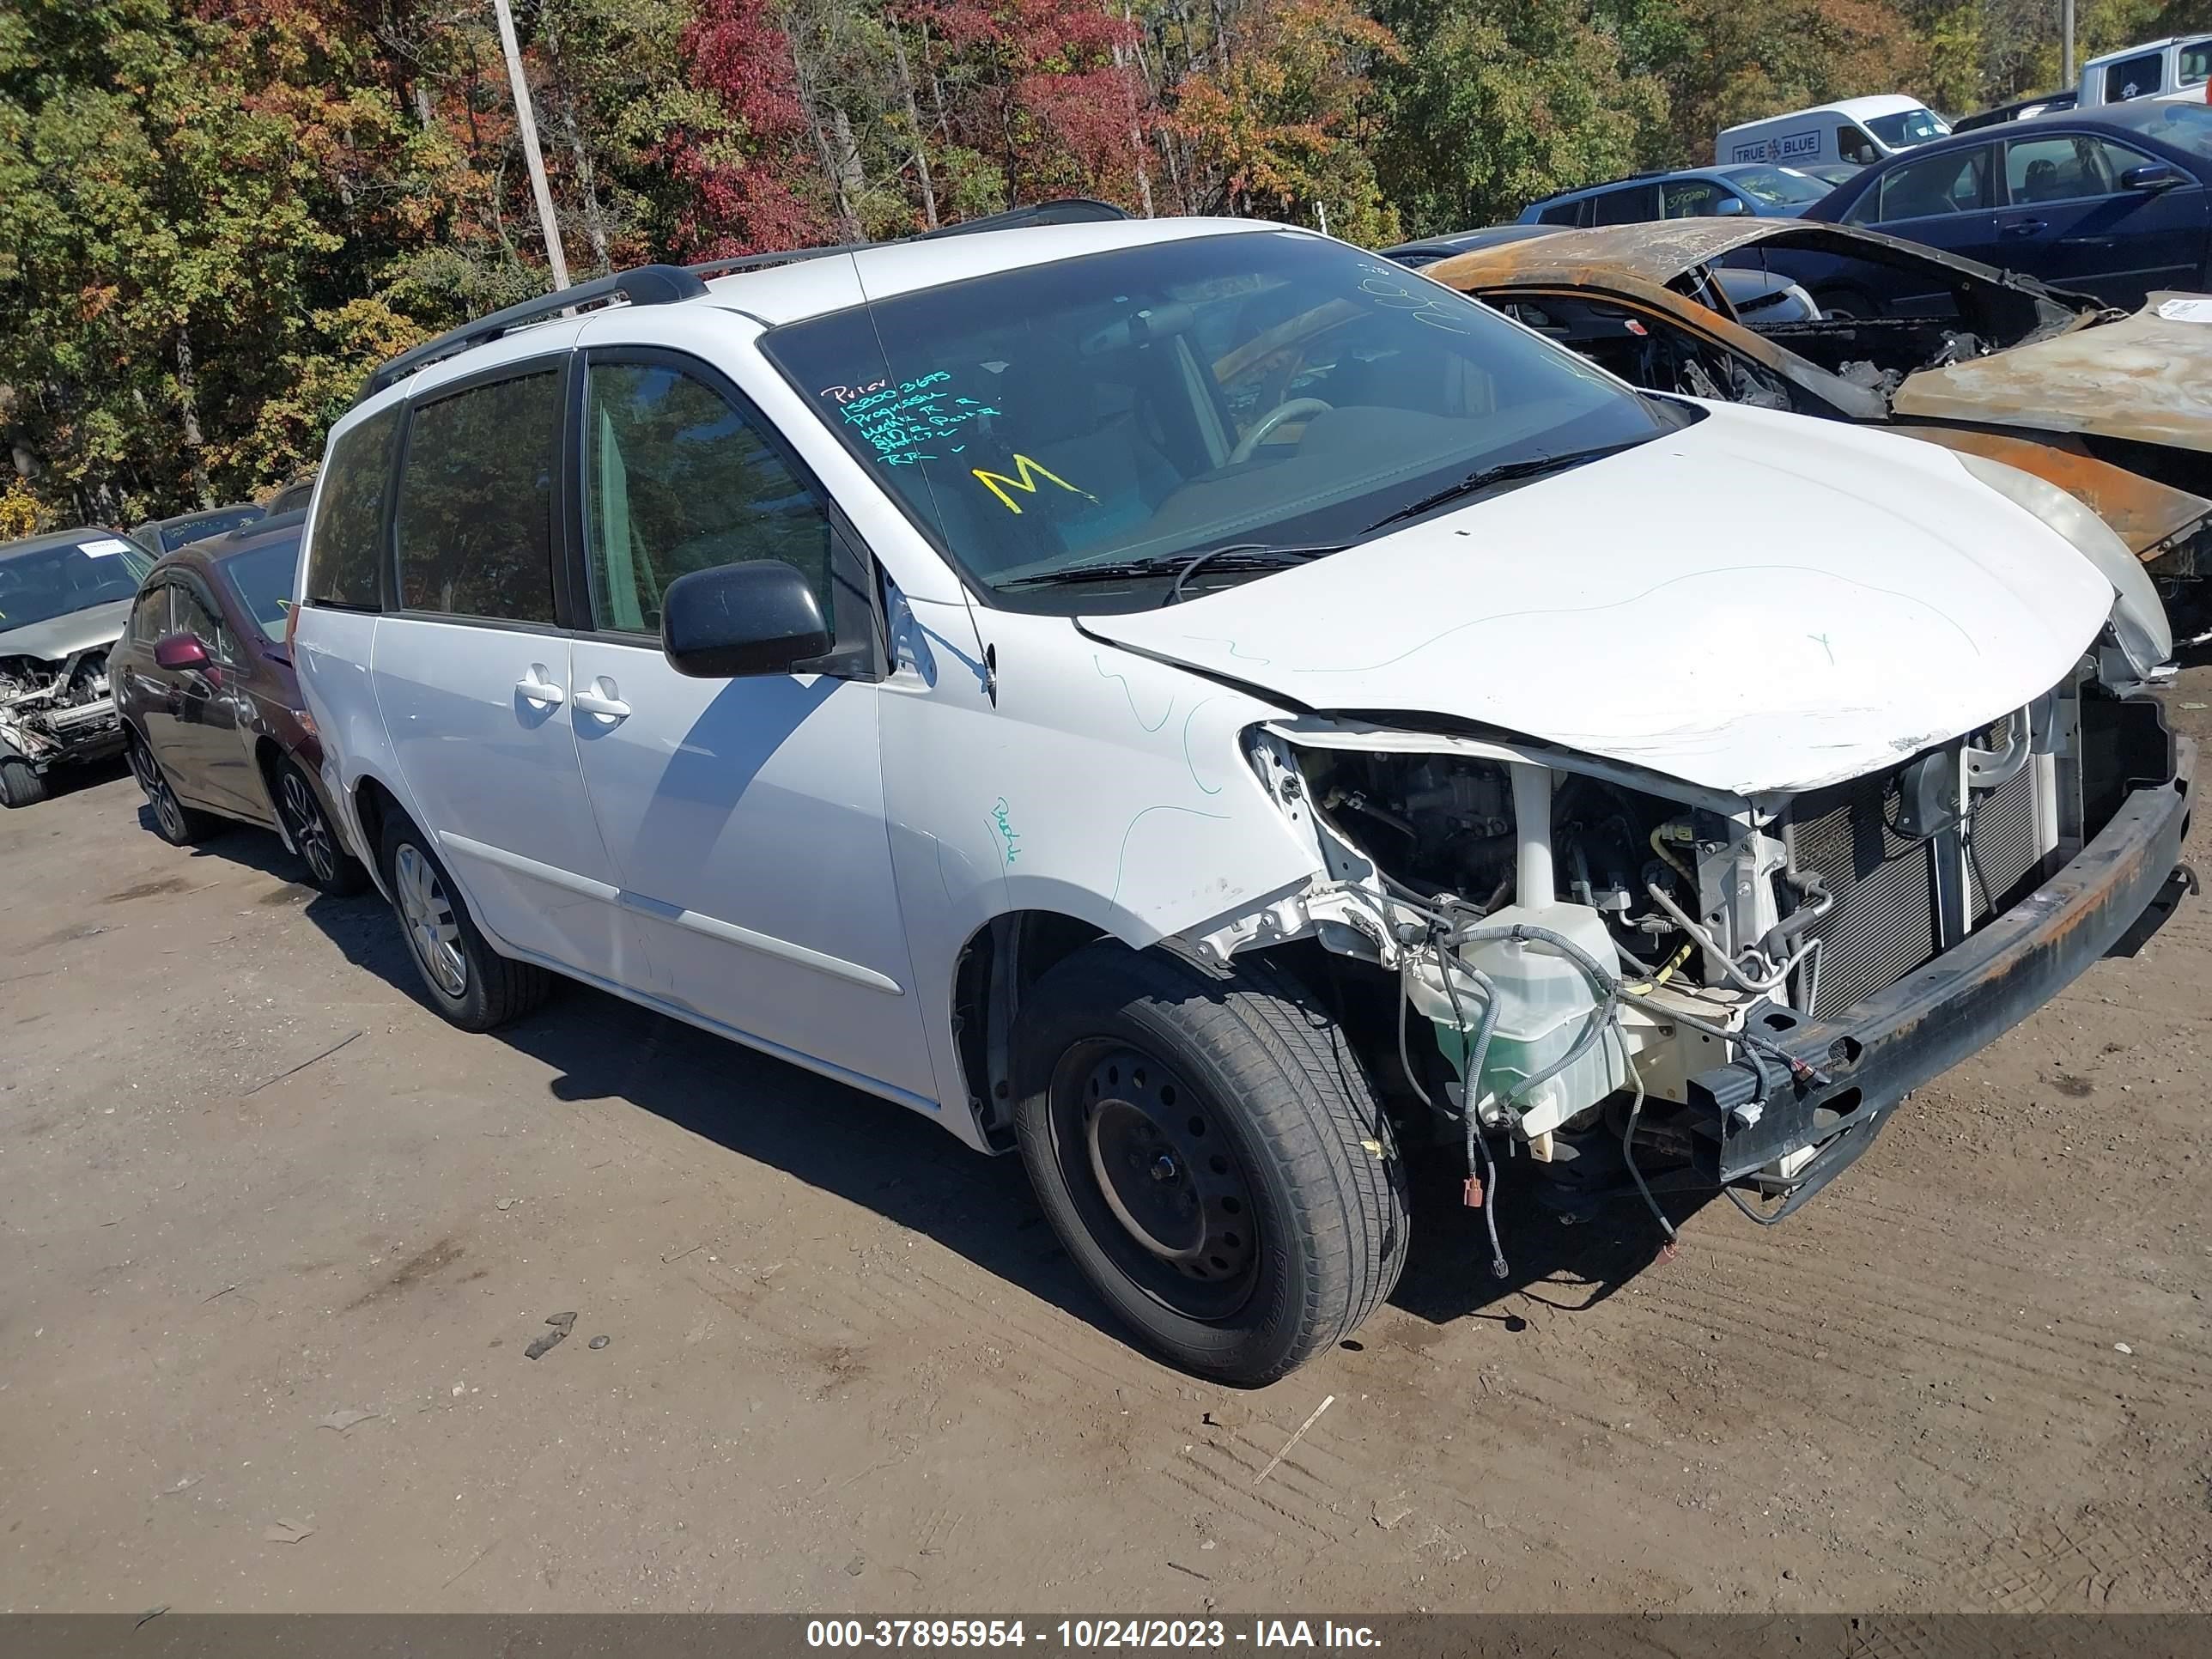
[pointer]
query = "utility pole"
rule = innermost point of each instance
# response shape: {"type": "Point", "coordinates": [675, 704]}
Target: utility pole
{"type": "Point", "coordinates": [2065, 28]}
{"type": "Point", "coordinates": [528, 122]}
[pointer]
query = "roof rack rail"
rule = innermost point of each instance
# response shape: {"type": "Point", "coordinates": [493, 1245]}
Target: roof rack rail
{"type": "Point", "coordinates": [1065, 210]}
{"type": "Point", "coordinates": [646, 285]}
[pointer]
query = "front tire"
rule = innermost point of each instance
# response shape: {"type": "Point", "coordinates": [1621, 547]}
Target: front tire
{"type": "Point", "coordinates": [466, 981]}
{"type": "Point", "coordinates": [175, 823]}
{"type": "Point", "coordinates": [1211, 1154]}
{"type": "Point", "coordinates": [21, 783]}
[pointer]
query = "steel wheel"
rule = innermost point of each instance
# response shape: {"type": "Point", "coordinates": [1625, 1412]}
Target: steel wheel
{"type": "Point", "coordinates": [1183, 1223]}
{"type": "Point", "coordinates": [168, 810]}
{"type": "Point", "coordinates": [304, 823]}
{"type": "Point", "coordinates": [432, 931]}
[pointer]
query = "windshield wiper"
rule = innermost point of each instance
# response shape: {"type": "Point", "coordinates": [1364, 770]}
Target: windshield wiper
{"type": "Point", "coordinates": [1529, 466]}
{"type": "Point", "coordinates": [1235, 555]}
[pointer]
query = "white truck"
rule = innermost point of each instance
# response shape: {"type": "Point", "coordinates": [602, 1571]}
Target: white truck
{"type": "Point", "coordinates": [1858, 130]}
{"type": "Point", "coordinates": [2177, 65]}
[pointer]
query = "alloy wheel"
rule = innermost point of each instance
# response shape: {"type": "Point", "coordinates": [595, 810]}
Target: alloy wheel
{"type": "Point", "coordinates": [309, 829]}
{"type": "Point", "coordinates": [432, 929]}
{"type": "Point", "coordinates": [168, 810]}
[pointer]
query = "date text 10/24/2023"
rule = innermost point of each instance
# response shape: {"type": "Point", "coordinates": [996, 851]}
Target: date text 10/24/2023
{"type": "Point", "coordinates": [1087, 1635]}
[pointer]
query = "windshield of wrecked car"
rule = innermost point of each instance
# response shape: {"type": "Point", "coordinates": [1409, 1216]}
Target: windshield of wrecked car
{"type": "Point", "coordinates": [1263, 386]}
{"type": "Point", "coordinates": [262, 581]}
{"type": "Point", "coordinates": [1908, 127]}
{"type": "Point", "coordinates": [1778, 186]}
{"type": "Point", "coordinates": [53, 581]}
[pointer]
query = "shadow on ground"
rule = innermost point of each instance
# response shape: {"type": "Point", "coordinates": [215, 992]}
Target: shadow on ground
{"type": "Point", "coordinates": [895, 1163]}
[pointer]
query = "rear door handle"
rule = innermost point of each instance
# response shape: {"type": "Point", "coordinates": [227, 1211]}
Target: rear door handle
{"type": "Point", "coordinates": [534, 687]}
{"type": "Point", "coordinates": [599, 698]}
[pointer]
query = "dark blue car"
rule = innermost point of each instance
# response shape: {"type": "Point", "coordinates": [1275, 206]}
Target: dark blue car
{"type": "Point", "coordinates": [1692, 193]}
{"type": "Point", "coordinates": [2114, 202]}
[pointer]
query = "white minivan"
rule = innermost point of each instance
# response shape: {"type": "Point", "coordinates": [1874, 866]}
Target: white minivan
{"type": "Point", "coordinates": [1857, 131]}
{"type": "Point", "coordinates": [1226, 715]}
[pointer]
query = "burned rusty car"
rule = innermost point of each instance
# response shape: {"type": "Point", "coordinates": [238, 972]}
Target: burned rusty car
{"type": "Point", "coordinates": [2115, 408]}
{"type": "Point", "coordinates": [64, 598]}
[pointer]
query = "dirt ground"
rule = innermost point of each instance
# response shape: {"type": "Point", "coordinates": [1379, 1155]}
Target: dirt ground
{"type": "Point", "coordinates": [252, 1189]}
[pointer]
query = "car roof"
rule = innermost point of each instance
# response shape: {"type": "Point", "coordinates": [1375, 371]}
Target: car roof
{"type": "Point", "coordinates": [2146, 46]}
{"type": "Point", "coordinates": [49, 540]}
{"type": "Point", "coordinates": [246, 538]}
{"type": "Point", "coordinates": [809, 283]}
{"type": "Point", "coordinates": [1881, 103]}
{"type": "Point", "coordinates": [199, 513]}
{"type": "Point", "coordinates": [1462, 241]}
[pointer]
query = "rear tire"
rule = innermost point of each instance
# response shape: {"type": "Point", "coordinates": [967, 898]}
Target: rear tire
{"type": "Point", "coordinates": [331, 868]}
{"type": "Point", "coordinates": [174, 821]}
{"type": "Point", "coordinates": [21, 783]}
{"type": "Point", "coordinates": [466, 981]}
{"type": "Point", "coordinates": [1211, 1154]}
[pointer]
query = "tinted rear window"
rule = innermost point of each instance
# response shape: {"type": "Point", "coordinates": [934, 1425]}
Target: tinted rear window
{"type": "Point", "coordinates": [348, 537]}
{"type": "Point", "coordinates": [262, 581]}
{"type": "Point", "coordinates": [475, 518]}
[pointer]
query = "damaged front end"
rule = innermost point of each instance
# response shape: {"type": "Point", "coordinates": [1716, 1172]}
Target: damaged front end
{"type": "Point", "coordinates": [1640, 983]}
{"type": "Point", "coordinates": [56, 710]}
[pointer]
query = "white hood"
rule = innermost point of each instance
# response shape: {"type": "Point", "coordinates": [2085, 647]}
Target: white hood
{"type": "Point", "coordinates": [1757, 603]}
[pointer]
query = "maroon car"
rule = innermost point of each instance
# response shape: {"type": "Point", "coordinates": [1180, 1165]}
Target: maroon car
{"type": "Point", "coordinates": [211, 712]}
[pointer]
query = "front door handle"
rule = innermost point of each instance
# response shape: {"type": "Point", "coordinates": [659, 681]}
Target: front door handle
{"type": "Point", "coordinates": [2024, 227]}
{"type": "Point", "coordinates": [599, 698]}
{"type": "Point", "coordinates": [534, 687]}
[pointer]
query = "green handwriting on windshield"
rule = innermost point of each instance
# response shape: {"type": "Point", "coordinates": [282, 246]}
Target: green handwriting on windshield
{"type": "Point", "coordinates": [906, 422]}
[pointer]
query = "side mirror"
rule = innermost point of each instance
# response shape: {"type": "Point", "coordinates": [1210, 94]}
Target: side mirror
{"type": "Point", "coordinates": [758, 617]}
{"type": "Point", "coordinates": [1728, 207]}
{"type": "Point", "coordinates": [183, 653]}
{"type": "Point", "coordinates": [2152, 176]}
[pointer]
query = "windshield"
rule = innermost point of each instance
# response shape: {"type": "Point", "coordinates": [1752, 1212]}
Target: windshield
{"type": "Point", "coordinates": [36, 588]}
{"type": "Point", "coordinates": [1262, 386]}
{"type": "Point", "coordinates": [262, 579]}
{"type": "Point", "coordinates": [1908, 128]}
{"type": "Point", "coordinates": [1778, 186]}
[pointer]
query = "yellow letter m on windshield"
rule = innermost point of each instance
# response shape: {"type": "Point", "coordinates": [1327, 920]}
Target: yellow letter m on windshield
{"type": "Point", "coordinates": [997, 482]}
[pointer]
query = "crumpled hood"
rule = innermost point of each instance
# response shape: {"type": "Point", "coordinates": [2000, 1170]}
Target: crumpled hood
{"type": "Point", "coordinates": [1757, 602]}
{"type": "Point", "coordinates": [53, 641]}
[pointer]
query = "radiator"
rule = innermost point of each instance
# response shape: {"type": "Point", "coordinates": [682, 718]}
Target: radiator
{"type": "Point", "coordinates": [1885, 920]}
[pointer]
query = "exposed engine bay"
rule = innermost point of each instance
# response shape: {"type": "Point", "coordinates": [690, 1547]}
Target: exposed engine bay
{"type": "Point", "coordinates": [1571, 950]}
{"type": "Point", "coordinates": [51, 711]}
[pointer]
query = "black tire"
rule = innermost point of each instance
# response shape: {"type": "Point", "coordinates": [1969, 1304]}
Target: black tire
{"type": "Point", "coordinates": [467, 982]}
{"type": "Point", "coordinates": [174, 821]}
{"type": "Point", "coordinates": [331, 868]}
{"type": "Point", "coordinates": [21, 784]}
{"type": "Point", "coordinates": [1125, 1065]}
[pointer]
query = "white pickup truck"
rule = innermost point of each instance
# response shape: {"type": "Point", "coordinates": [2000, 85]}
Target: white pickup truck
{"type": "Point", "coordinates": [2178, 66]}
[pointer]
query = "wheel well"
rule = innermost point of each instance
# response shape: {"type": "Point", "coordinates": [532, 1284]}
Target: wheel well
{"type": "Point", "coordinates": [372, 804]}
{"type": "Point", "coordinates": [1011, 953]}
{"type": "Point", "coordinates": [997, 965]}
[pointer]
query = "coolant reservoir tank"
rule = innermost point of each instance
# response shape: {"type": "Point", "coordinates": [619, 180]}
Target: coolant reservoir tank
{"type": "Point", "coordinates": [1546, 1001]}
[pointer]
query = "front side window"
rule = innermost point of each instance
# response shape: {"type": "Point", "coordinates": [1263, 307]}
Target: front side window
{"type": "Point", "coordinates": [55, 581]}
{"type": "Point", "coordinates": [2062, 169]}
{"type": "Point", "coordinates": [677, 479]}
{"type": "Point", "coordinates": [149, 617]}
{"type": "Point", "coordinates": [261, 581]}
{"type": "Point", "coordinates": [1691, 199]}
{"type": "Point", "coordinates": [2195, 59]}
{"type": "Point", "coordinates": [195, 616]}
{"type": "Point", "coordinates": [1152, 402]}
{"type": "Point", "coordinates": [345, 558]}
{"type": "Point", "coordinates": [1564, 213]}
{"type": "Point", "coordinates": [1854, 145]}
{"type": "Point", "coordinates": [1956, 182]}
{"type": "Point", "coordinates": [474, 521]}
{"type": "Point", "coordinates": [2134, 77]}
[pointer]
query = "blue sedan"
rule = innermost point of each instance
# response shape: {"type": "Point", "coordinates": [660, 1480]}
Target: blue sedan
{"type": "Point", "coordinates": [1692, 193]}
{"type": "Point", "coordinates": [2115, 202]}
